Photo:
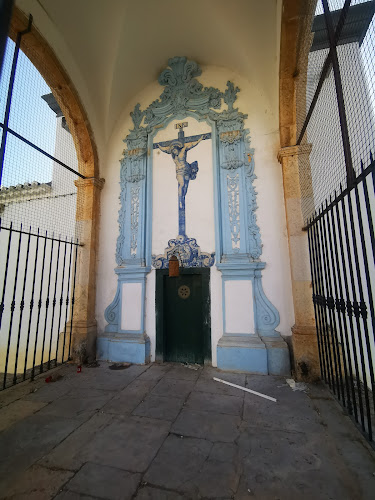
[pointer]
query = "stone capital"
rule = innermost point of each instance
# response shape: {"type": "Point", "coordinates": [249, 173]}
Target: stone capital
{"type": "Point", "coordinates": [90, 181]}
{"type": "Point", "coordinates": [302, 149]}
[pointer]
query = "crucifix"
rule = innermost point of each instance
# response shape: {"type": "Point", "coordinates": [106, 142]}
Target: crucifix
{"type": "Point", "coordinates": [185, 172]}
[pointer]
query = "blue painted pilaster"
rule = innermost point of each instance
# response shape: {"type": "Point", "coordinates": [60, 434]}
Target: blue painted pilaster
{"type": "Point", "coordinates": [117, 344]}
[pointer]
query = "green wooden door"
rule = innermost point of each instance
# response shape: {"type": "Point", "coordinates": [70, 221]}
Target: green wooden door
{"type": "Point", "coordinates": [183, 319]}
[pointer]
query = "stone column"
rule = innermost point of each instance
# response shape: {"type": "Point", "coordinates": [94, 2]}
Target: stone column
{"type": "Point", "coordinates": [304, 338]}
{"type": "Point", "coordinates": [84, 322]}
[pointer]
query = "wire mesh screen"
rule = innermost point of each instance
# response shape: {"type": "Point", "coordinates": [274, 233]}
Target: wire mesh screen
{"type": "Point", "coordinates": [336, 127]}
{"type": "Point", "coordinates": [39, 235]}
{"type": "Point", "coordinates": [36, 189]}
{"type": "Point", "coordinates": [325, 171]}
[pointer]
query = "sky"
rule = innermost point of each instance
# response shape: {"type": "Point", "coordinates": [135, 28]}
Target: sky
{"type": "Point", "coordinates": [31, 117]}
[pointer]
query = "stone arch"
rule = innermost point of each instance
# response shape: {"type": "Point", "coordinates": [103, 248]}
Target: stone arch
{"type": "Point", "coordinates": [294, 47]}
{"type": "Point", "coordinates": [37, 49]}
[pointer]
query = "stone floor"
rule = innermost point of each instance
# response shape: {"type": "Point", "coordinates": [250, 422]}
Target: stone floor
{"type": "Point", "coordinates": [168, 432]}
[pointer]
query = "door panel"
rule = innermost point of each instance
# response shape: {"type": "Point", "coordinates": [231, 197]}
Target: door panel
{"type": "Point", "coordinates": [183, 318]}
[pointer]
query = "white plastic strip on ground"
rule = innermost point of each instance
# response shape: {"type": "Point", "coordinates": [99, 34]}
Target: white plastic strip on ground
{"type": "Point", "coordinates": [247, 390]}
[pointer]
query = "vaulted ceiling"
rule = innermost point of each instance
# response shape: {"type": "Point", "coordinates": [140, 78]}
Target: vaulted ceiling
{"type": "Point", "coordinates": [112, 49]}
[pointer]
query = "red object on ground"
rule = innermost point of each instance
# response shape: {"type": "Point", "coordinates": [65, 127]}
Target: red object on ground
{"type": "Point", "coordinates": [49, 379]}
{"type": "Point", "coordinates": [79, 369]}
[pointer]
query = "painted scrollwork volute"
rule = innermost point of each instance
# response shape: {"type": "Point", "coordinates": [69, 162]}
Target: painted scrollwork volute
{"type": "Point", "coordinates": [111, 313]}
{"type": "Point", "coordinates": [267, 316]}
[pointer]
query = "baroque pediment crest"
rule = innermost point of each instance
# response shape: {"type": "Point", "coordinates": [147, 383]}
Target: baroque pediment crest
{"type": "Point", "coordinates": [183, 93]}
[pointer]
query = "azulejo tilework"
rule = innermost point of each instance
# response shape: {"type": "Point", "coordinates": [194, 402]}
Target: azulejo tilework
{"type": "Point", "coordinates": [187, 251]}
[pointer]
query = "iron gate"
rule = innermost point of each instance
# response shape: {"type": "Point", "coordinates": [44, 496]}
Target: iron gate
{"type": "Point", "coordinates": [39, 235]}
{"type": "Point", "coordinates": [338, 191]}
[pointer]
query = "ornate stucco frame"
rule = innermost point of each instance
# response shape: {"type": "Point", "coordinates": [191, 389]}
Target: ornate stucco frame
{"type": "Point", "coordinates": [237, 237]}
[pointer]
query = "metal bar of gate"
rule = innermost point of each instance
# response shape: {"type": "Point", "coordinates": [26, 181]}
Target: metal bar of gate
{"type": "Point", "coordinates": [340, 308]}
{"type": "Point", "coordinates": [2, 305]}
{"type": "Point", "coordinates": [73, 298]}
{"type": "Point", "coordinates": [47, 303]}
{"type": "Point", "coordinates": [326, 230]}
{"type": "Point", "coordinates": [324, 323]}
{"type": "Point", "coordinates": [61, 303]}
{"type": "Point", "coordinates": [350, 238]}
{"type": "Point", "coordinates": [22, 306]}
{"type": "Point", "coordinates": [12, 308]}
{"type": "Point", "coordinates": [348, 301]}
{"type": "Point", "coordinates": [31, 305]}
{"type": "Point", "coordinates": [323, 369]}
{"type": "Point", "coordinates": [39, 307]}
{"type": "Point", "coordinates": [67, 299]}
{"type": "Point", "coordinates": [54, 305]}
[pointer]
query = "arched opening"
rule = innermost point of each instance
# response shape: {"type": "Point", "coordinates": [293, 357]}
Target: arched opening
{"type": "Point", "coordinates": [48, 199]}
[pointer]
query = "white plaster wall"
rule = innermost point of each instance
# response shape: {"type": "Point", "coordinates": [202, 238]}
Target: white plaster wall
{"type": "Point", "coordinates": [131, 306]}
{"type": "Point", "coordinates": [239, 310]}
{"type": "Point", "coordinates": [150, 318]}
{"type": "Point", "coordinates": [216, 310]}
{"type": "Point", "coordinates": [260, 103]}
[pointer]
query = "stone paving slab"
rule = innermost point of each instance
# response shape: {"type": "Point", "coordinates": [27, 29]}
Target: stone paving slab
{"type": "Point", "coordinates": [178, 462]}
{"type": "Point", "coordinates": [68, 454]}
{"type": "Point", "coordinates": [18, 410]}
{"type": "Point", "coordinates": [104, 434]}
{"type": "Point", "coordinates": [74, 407]}
{"type": "Point", "coordinates": [216, 403]}
{"type": "Point", "coordinates": [282, 414]}
{"type": "Point", "coordinates": [50, 392]}
{"type": "Point", "coordinates": [129, 443]}
{"type": "Point", "coordinates": [184, 372]}
{"type": "Point", "coordinates": [72, 495]}
{"type": "Point", "coordinates": [25, 442]}
{"type": "Point", "coordinates": [203, 424]}
{"type": "Point", "coordinates": [155, 372]}
{"type": "Point", "coordinates": [37, 483]}
{"type": "Point", "coordinates": [173, 388]}
{"type": "Point", "coordinates": [152, 493]}
{"type": "Point", "coordinates": [104, 482]}
{"type": "Point", "coordinates": [129, 398]}
{"type": "Point", "coordinates": [161, 407]}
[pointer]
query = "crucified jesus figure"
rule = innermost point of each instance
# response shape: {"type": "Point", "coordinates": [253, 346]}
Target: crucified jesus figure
{"type": "Point", "coordinates": [184, 171]}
